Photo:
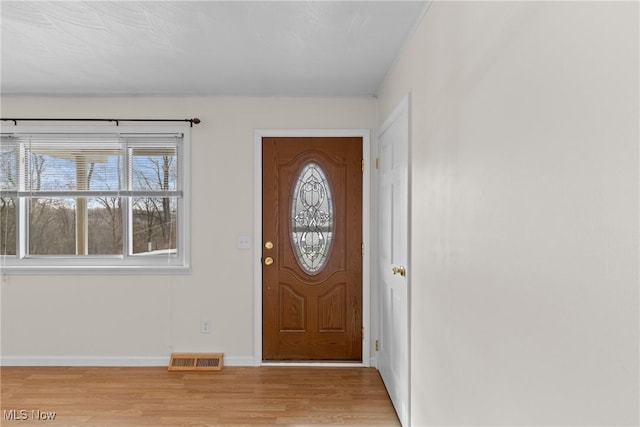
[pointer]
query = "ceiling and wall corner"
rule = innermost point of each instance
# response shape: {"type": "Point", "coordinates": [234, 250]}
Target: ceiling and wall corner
{"type": "Point", "coordinates": [238, 48]}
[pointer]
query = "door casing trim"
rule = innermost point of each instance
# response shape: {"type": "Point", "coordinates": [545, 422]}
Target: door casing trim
{"type": "Point", "coordinates": [365, 134]}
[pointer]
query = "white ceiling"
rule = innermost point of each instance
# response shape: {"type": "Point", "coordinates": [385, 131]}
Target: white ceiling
{"type": "Point", "coordinates": [291, 48]}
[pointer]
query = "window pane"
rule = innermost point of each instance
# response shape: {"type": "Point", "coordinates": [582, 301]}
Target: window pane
{"type": "Point", "coordinates": [312, 218]}
{"type": "Point", "coordinates": [52, 226]}
{"type": "Point", "coordinates": [7, 226]}
{"type": "Point", "coordinates": [105, 226]}
{"type": "Point", "coordinates": [74, 165]}
{"type": "Point", "coordinates": [154, 168]}
{"type": "Point", "coordinates": [154, 224]}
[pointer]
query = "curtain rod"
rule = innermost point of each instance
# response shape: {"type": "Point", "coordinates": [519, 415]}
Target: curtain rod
{"type": "Point", "coordinates": [192, 121]}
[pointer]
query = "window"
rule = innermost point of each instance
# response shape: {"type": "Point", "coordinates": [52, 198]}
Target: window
{"type": "Point", "coordinates": [78, 199]}
{"type": "Point", "coordinates": [312, 218]}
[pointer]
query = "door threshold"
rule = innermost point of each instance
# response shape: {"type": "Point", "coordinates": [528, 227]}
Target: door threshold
{"type": "Point", "coordinates": [311, 363]}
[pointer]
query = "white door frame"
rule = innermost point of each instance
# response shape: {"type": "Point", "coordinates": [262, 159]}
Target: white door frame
{"type": "Point", "coordinates": [366, 235]}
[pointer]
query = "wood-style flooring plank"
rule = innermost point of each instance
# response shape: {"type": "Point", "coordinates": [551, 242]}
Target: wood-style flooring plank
{"type": "Point", "coordinates": [265, 396]}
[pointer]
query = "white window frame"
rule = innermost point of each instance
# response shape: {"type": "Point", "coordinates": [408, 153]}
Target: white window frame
{"type": "Point", "coordinates": [179, 263]}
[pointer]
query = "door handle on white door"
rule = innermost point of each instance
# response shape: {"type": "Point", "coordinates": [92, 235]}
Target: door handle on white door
{"type": "Point", "coordinates": [399, 270]}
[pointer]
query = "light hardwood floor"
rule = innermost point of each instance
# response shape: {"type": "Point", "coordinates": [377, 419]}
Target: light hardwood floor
{"type": "Point", "coordinates": [155, 397]}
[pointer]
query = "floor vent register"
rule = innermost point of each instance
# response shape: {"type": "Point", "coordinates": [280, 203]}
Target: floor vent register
{"type": "Point", "coordinates": [195, 362]}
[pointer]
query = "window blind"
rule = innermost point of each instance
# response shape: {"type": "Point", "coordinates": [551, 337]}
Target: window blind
{"type": "Point", "coordinates": [90, 165]}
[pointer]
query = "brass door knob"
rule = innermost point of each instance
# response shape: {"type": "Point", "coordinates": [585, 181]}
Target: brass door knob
{"type": "Point", "coordinates": [268, 245]}
{"type": "Point", "coordinates": [268, 261]}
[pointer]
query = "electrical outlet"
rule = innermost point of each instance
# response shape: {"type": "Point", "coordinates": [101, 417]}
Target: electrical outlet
{"type": "Point", "coordinates": [205, 326]}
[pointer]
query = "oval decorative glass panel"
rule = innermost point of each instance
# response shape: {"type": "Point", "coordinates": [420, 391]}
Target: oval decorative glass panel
{"type": "Point", "coordinates": [312, 218]}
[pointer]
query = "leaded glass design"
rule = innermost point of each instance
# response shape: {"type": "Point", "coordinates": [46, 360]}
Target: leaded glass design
{"type": "Point", "coordinates": [312, 218]}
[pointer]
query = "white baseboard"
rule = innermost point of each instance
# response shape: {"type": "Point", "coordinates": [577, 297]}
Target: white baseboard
{"type": "Point", "coordinates": [239, 361]}
{"type": "Point", "coordinates": [100, 361]}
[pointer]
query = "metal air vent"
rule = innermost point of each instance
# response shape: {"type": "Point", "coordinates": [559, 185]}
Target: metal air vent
{"type": "Point", "coordinates": [195, 362]}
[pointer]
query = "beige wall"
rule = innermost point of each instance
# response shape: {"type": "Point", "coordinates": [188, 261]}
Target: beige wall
{"type": "Point", "coordinates": [93, 317]}
{"type": "Point", "coordinates": [525, 212]}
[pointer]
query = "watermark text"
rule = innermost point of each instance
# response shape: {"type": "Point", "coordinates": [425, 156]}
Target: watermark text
{"type": "Point", "coordinates": [26, 414]}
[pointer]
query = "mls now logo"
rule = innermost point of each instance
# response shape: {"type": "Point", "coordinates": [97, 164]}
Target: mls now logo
{"type": "Point", "coordinates": [23, 414]}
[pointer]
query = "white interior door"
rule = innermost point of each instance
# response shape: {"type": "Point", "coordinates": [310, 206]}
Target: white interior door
{"type": "Point", "coordinates": [393, 274]}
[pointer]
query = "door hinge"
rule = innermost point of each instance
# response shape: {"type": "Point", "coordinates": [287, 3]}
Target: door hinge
{"type": "Point", "coordinates": [377, 345]}
{"type": "Point", "coordinates": [377, 163]}
{"type": "Point", "coordinates": [363, 333]}
{"type": "Point", "coordinates": [363, 249]}
{"type": "Point", "coordinates": [362, 165]}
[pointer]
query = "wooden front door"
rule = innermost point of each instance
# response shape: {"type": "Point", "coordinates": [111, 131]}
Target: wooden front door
{"type": "Point", "coordinates": [312, 248]}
